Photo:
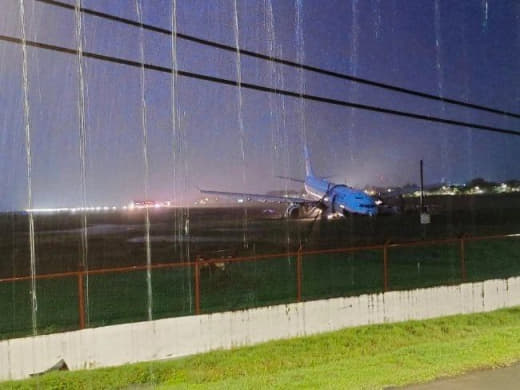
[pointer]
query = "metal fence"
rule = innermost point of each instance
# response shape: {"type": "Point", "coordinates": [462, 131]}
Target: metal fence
{"type": "Point", "coordinates": [87, 298]}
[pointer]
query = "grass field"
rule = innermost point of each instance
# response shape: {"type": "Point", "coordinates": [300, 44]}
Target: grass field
{"type": "Point", "coordinates": [370, 357]}
{"type": "Point", "coordinates": [118, 298]}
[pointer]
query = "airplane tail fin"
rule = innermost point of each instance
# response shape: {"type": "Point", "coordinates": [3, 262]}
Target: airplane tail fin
{"type": "Point", "coordinates": [308, 167]}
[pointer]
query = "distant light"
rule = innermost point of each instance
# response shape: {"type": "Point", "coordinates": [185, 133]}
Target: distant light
{"type": "Point", "coordinates": [50, 210]}
{"type": "Point", "coordinates": [114, 208]}
{"type": "Point", "coordinates": [379, 202]}
{"type": "Point", "coordinates": [389, 190]}
{"type": "Point", "coordinates": [240, 200]}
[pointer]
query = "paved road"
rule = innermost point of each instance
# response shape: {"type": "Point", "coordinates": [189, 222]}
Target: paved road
{"type": "Point", "coordinates": [500, 378]}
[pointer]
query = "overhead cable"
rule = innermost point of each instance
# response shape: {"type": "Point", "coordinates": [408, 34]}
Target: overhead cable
{"type": "Point", "coordinates": [257, 87]}
{"type": "Point", "coordinates": [265, 57]}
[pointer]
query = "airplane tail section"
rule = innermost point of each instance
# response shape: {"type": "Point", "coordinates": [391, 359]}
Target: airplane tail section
{"type": "Point", "coordinates": [308, 167]}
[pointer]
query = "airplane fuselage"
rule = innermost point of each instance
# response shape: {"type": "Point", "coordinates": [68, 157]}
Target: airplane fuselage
{"type": "Point", "coordinates": [339, 198]}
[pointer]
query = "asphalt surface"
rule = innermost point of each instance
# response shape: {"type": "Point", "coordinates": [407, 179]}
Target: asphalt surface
{"type": "Point", "coordinates": [501, 378]}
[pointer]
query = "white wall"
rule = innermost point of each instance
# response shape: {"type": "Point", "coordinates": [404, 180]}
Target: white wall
{"type": "Point", "coordinates": [181, 336]}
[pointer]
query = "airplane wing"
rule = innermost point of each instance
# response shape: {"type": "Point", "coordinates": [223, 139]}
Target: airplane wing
{"type": "Point", "coordinates": [260, 197]}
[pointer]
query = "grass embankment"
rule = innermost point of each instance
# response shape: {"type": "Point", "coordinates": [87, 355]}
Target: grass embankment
{"type": "Point", "coordinates": [363, 357]}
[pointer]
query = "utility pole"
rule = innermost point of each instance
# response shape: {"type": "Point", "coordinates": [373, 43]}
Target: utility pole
{"type": "Point", "coordinates": [422, 187]}
{"type": "Point", "coordinates": [424, 216]}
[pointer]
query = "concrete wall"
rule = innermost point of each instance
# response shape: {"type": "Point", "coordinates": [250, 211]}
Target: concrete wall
{"type": "Point", "coordinates": [174, 337]}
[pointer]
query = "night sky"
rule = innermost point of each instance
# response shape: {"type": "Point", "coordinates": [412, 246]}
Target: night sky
{"type": "Point", "coordinates": [465, 50]}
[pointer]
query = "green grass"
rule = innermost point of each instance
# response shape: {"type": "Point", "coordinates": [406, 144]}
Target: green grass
{"type": "Point", "coordinates": [369, 357]}
{"type": "Point", "coordinates": [120, 298]}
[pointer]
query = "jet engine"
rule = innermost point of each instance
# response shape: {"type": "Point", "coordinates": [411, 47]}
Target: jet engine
{"type": "Point", "coordinates": [293, 211]}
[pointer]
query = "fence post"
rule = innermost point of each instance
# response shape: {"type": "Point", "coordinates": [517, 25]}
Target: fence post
{"type": "Point", "coordinates": [385, 266]}
{"type": "Point", "coordinates": [462, 259]}
{"type": "Point", "coordinates": [81, 301]}
{"type": "Point", "coordinates": [299, 275]}
{"type": "Point", "coordinates": [197, 286]}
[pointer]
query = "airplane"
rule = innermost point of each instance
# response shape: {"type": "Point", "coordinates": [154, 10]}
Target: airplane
{"type": "Point", "coordinates": [334, 200]}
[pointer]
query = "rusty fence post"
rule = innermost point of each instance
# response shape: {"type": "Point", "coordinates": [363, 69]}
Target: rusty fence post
{"type": "Point", "coordinates": [299, 275]}
{"type": "Point", "coordinates": [197, 286]}
{"type": "Point", "coordinates": [81, 300]}
{"type": "Point", "coordinates": [462, 259]}
{"type": "Point", "coordinates": [385, 266]}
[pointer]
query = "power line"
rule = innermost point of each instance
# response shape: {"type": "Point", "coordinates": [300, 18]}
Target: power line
{"type": "Point", "coordinates": [260, 88]}
{"type": "Point", "coordinates": [309, 68]}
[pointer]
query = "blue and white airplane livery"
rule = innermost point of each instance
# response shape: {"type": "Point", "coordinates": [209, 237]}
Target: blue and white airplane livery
{"type": "Point", "coordinates": [334, 200]}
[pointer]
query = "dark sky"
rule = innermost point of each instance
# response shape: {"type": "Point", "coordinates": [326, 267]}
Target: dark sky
{"type": "Point", "coordinates": [466, 50]}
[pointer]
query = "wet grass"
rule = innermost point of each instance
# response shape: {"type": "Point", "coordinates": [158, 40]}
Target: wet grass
{"type": "Point", "coordinates": [214, 233]}
{"type": "Point", "coordinates": [369, 357]}
{"type": "Point", "coordinates": [121, 298]}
